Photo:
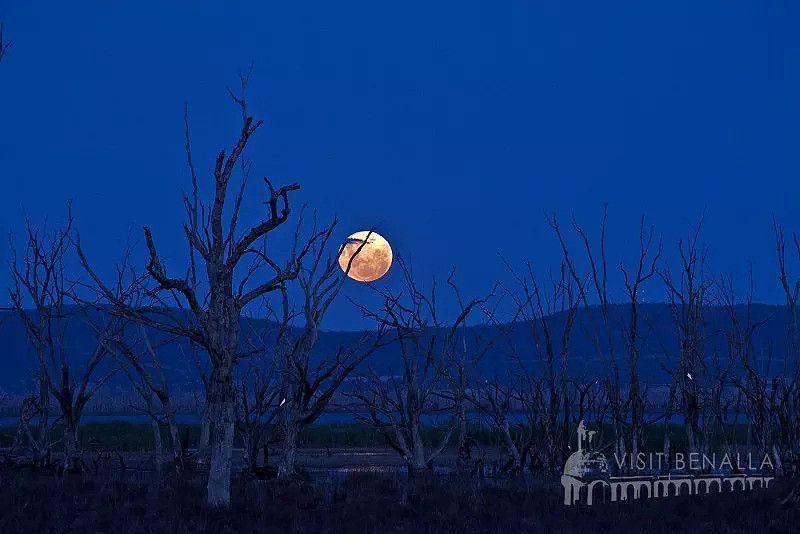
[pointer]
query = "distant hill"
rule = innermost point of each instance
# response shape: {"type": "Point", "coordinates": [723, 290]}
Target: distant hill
{"type": "Point", "coordinates": [660, 346]}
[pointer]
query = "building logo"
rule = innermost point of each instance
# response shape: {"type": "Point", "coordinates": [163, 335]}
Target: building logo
{"type": "Point", "coordinates": [587, 475]}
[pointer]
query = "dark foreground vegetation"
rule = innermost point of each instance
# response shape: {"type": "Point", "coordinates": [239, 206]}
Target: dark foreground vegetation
{"type": "Point", "coordinates": [123, 502]}
{"type": "Point", "coordinates": [338, 491]}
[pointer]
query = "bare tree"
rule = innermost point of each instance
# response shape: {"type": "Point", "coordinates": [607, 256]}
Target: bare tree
{"type": "Point", "coordinates": [645, 269]}
{"type": "Point", "coordinates": [541, 360]}
{"type": "Point", "coordinates": [308, 386]}
{"type": "Point", "coordinates": [397, 404]}
{"type": "Point", "coordinates": [786, 386]}
{"type": "Point", "coordinates": [495, 400]}
{"type": "Point", "coordinates": [627, 409]}
{"type": "Point", "coordinates": [4, 46]}
{"type": "Point", "coordinates": [258, 389]}
{"type": "Point", "coordinates": [146, 374]}
{"type": "Point", "coordinates": [725, 398]}
{"type": "Point", "coordinates": [210, 312]}
{"type": "Point", "coordinates": [39, 277]}
{"type": "Point", "coordinates": [602, 335]}
{"type": "Point", "coordinates": [200, 395]}
{"type": "Point", "coordinates": [256, 412]}
{"type": "Point", "coordinates": [689, 298]}
{"type": "Point", "coordinates": [482, 336]}
{"type": "Point", "coordinates": [73, 389]}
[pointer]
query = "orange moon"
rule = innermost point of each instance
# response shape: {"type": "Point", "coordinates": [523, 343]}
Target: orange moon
{"type": "Point", "coordinates": [372, 262]}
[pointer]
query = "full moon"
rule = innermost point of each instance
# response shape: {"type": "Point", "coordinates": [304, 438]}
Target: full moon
{"type": "Point", "coordinates": [372, 262]}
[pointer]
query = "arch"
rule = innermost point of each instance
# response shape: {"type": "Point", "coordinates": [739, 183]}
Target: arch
{"type": "Point", "coordinates": [592, 492]}
{"type": "Point", "coordinates": [712, 483]}
{"type": "Point", "coordinates": [737, 482]}
{"type": "Point", "coordinates": [700, 483]}
{"type": "Point", "coordinates": [617, 491]}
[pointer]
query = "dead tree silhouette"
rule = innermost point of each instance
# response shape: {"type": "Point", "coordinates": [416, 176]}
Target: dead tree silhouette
{"type": "Point", "coordinates": [209, 310]}
{"type": "Point", "coordinates": [4, 46]}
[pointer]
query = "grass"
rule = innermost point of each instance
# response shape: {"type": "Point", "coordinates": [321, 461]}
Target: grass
{"type": "Point", "coordinates": [133, 437]}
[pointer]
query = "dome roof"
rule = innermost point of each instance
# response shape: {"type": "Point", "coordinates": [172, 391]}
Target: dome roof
{"type": "Point", "coordinates": [585, 464]}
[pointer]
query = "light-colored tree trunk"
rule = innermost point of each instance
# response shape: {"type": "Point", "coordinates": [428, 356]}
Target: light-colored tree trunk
{"type": "Point", "coordinates": [219, 476]}
{"type": "Point", "coordinates": [288, 456]}
{"type": "Point", "coordinates": [158, 446]}
{"type": "Point", "coordinates": [417, 446]}
{"type": "Point", "coordinates": [172, 426]}
{"type": "Point", "coordinates": [512, 447]}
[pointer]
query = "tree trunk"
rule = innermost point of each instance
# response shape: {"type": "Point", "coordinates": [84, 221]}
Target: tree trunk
{"type": "Point", "coordinates": [620, 450]}
{"type": "Point", "coordinates": [464, 452]}
{"type": "Point", "coordinates": [205, 434]}
{"type": "Point", "coordinates": [43, 428]}
{"type": "Point", "coordinates": [286, 466]}
{"type": "Point", "coordinates": [175, 438]}
{"type": "Point", "coordinates": [691, 427]}
{"type": "Point", "coordinates": [250, 454]}
{"type": "Point", "coordinates": [667, 449]}
{"type": "Point", "coordinates": [776, 456]}
{"type": "Point", "coordinates": [157, 445]}
{"type": "Point", "coordinates": [219, 476]}
{"type": "Point", "coordinates": [174, 431]}
{"type": "Point", "coordinates": [637, 412]}
{"type": "Point", "coordinates": [417, 447]}
{"type": "Point", "coordinates": [565, 429]}
{"type": "Point", "coordinates": [250, 445]}
{"type": "Point", "coordinates": [70, 447]}
{"type": "Point", "coordinates": [512, 448]}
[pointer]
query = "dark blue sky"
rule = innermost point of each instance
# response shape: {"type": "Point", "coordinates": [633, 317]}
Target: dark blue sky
{"type": "Point", "coordinates": [451, 126]}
